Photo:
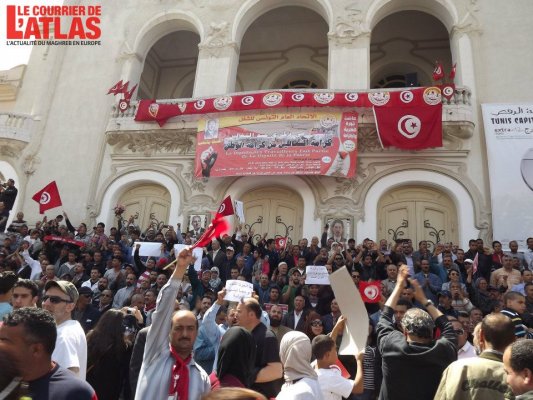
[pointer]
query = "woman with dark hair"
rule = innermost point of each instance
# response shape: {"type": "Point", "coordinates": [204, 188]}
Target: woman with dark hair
{"type": "Point", "coordinates": [313, 325]}
{"type": "Point", "coordinates": [108, 355]}
{"type": "Point", "coordinates": [235, 360]}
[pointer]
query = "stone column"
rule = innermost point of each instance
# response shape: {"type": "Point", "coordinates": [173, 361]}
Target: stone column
{"type": "Point", "coordinates": [349, 54]}
{"type": "Point", "coordinates": [218, 59]}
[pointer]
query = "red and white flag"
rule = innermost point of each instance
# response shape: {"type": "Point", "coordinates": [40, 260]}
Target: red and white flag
{"type": "Point", "coordinates": [281, 243]}
{"type": "Point", "coordinates": [475, 264]}
{"type": "Point", "coordinates": [48, 197]}
{"type": "Point", "coordinates": [438, 72]}
{"type": "Point", "coordinates": [370, 291]}
{"type": "Point", "coordinates": [452, 72]}
{"type": "Point", "coordinates": [219, 226]}
{"type": "Point", "coordinates": [409, 127]}
{"type": "Point", "coordinates": [226, 208]}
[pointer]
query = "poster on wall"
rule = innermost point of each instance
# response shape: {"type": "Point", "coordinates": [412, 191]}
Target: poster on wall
{"type": "Point", "coordinates": [509, 137]}
{"type": "Point", "coordinates": [299, 143]}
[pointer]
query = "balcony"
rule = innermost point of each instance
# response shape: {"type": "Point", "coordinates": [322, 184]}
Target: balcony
{"type": "Point", "coordinates": [124, 132]}
{"type": "Point", "coordinates": [16, 126]}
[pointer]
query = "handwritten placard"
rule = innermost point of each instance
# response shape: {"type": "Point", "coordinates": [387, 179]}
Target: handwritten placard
{"type": "Point", "coordinates": [239, 211]}
{"type": "Point", "coordinates": [237, 290]}
{"type": "Point", "coordinates": [197, 252]}
{"type": "Point", "coordinates": [148, 249]}
{"type": "Point", "coordinates": [316, 275]}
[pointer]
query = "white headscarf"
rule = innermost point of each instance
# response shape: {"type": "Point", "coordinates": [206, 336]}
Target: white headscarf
{"type": "Point", "coordinates": [295, 353]}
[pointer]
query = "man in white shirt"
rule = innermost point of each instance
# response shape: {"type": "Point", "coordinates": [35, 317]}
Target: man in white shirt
{"type": "Point", "coordinates": [465, 349]}
{"type": "Point", "coordinates": [70, 352]}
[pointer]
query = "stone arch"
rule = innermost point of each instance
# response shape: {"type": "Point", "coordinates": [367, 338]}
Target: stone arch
{"type": "Point", "coordinates": [462, 198]}
{"type": "Point", "coordinates": [162, 24]}
{"type": "Point", "coordinates": [253, 9]}
{"type": "Point", "coordinates": [118, 185]}
{"type": "Point", "coordinates": [274, 79]}
{"type": "Point", "coordinates": [444, 10]}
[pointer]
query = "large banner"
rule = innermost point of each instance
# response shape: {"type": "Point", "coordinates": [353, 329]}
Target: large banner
{"type": "Point", "coordinates": [299, 143]}
{"type": "Point", "coordinates": [509, 137]}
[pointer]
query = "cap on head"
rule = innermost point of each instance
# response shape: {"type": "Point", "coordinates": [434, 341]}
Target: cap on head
{"type": "Point", "coordinates": [66, 287]}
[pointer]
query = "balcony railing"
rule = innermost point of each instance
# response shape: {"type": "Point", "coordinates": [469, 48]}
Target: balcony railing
{"type": "Point", "coordinates": [16, 126]}
{"type": "Point", "coordinates": [456, 110]}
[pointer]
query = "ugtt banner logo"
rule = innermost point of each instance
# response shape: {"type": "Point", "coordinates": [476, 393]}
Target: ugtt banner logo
{"type": "Point", "coordinates": [45, 22]}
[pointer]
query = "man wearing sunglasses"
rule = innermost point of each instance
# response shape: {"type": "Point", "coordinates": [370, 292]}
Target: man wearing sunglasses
{"type": "Point", "coordinates": [70, 352]}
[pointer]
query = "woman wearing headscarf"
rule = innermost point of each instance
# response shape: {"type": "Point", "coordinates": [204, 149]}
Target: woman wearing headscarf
{"type": "Point", "coordinates": [235, 360]}
{"type": "Point", "coordinates": [301, 381]}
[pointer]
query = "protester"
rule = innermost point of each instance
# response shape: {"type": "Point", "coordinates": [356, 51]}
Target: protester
{"type": "Point", "coordinates": [483, 377]}
{"type": "Point", "coordinates": [107, 356]}
{"type": "Point", "coordinates": [70, 352]}
{"type": "Point", "coordinates": [169, 372]}
{"type": "Point", "coordinates": [518, 362]}
{"type": "Point", "coordinates": [332, 384]}
{"type": "Point", "coordinates": [25, 294]}
{"type": "Point", "coordinates": [414, 349]}
{"type": "Point", "coordinates": [28, 335]}
{"type": "Point", "coordinates": [301, 380]}
{"type": "Point", "coordinates": [235, 360]}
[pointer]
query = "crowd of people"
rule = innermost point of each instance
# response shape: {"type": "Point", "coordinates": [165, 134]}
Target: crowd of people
{"type": "Point", "coordinates": [86, 316]}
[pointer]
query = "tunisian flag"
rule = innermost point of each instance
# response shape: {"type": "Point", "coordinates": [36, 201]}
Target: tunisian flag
{"type": "Point", "coordinates": [219, 226]}
{"type": "Point", "coordinates": [48, 197]}
{"type": "Point", "coordinates": [409, 127]}
{"type": "Point", "coordinates": [370, 291]}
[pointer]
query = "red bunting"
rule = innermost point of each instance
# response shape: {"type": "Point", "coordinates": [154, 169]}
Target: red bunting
{"type": "Point", "coordinates": [52, 238]}
{"type": "Point", "coordinates": [370, 291]}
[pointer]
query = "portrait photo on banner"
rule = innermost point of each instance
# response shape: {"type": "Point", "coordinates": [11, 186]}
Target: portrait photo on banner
{"type": "Point", "coordinates": [339, 228]}
{"type": "Point", "coordinates": [197, 223]}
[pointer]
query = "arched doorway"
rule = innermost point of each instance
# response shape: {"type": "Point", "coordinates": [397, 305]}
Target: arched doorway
{"type": "Point", "coordinates": [417, 213]}
{"type": "Point", "coordinates": [274, 210]}
{"type": "Point", "coordinates": [148, 201]}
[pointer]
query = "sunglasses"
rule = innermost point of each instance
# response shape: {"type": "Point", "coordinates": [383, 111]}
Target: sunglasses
{"type": "Point", "coordinates": [86, 295]}
{"type": "Point", "coordinates": [356, 276]}
{"type": "Point", "coordinates": [459, 331]}
{"type": "Point", "coordinates": [316, 322]}
{"type": "Point", "coordinates": [55, 299]}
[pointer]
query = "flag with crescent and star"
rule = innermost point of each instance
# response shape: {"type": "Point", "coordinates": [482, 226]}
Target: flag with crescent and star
{"type": "Point", "coordinates": [48, 197]}
{"type": "Point", "coordinates": [409, 127]}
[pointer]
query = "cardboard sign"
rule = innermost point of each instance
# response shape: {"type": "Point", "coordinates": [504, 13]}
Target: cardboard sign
{"type": "Point", "coordinates": [239, 211]}
{"type": "Point", "coordinates": [148, 249]}
{"type": "Point", "coordinates": [197, 252]}
{"type": "Point", "coordinates": [316, 275]}
{"type": "Point", "coordinates": [237, 290]}
{"type": "Point", "coordinates": [352, 307]}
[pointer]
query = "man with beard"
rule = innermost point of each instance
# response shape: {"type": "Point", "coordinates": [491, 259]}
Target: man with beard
{"type": "Point", "coordinates": [172, 372]}
{"type": "Point", "coordinates": [103, 284]}
{"type": "Point", "coordinates": [92, 282]}
{"type": "Point", "coordinates": [276, 314]}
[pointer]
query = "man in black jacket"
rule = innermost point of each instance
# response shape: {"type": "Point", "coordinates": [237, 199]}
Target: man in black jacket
{"type": "Point", "coordinates": [412, 361]}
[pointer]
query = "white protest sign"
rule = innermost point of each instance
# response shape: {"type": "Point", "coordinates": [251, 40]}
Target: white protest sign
{"type": "Point", "coordinates": [148, 249]}
{"type": "Point", "coordinates": [239, 210]}
{"type": "Point", "coordinates": [237, 290]}
{"type": "Point", "coordinates": [352, 307]}
{"type": "Point", "coordinates": [197, 252]}
{"type": "Point", "coordinates": [316, 275]}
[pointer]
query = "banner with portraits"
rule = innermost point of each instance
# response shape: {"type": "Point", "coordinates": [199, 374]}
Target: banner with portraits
{"type": "Point", "coordinates": [509, 138]}
{"type": "Point", "coordinates": [291, 143]}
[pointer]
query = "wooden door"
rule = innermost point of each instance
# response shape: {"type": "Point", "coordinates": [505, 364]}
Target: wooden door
{"type": "Point", "coordinates": [417, 213]}
{"type": "Point", "coordinates": [146, 201]}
